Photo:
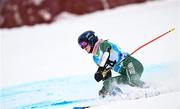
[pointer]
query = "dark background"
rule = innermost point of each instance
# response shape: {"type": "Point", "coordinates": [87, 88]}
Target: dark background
{"type": "Point", "coordinates": [16, 13]}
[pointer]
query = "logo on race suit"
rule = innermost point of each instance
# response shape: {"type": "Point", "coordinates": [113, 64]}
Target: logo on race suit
{"type": "Point", "coordinates": [131, 68]}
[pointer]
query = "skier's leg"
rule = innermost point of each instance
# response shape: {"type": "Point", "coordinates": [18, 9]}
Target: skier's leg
{"type": "Point", "coordinates": [103, 92]}
{"type": "Point", "coordinates": [110, 86]}
{"type": "Point", "coordinates": [133, 71]}
{"type": "Point", "coordinates": [130, 74]}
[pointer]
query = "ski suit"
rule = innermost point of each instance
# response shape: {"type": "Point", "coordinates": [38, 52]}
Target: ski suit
{"type": "Point", "coordinates": [130, 69]}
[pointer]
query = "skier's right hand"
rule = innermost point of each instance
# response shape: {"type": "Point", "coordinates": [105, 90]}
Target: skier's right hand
{"type": "Point", "coordinates": [98, 75]}
{"type": "Point", "coordinates": [102, 74]}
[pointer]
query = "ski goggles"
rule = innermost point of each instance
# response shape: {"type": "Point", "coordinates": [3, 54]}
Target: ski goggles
{"type": "Point", "coordinates": [83, 44]}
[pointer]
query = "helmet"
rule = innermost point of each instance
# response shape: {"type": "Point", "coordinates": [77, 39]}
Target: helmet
{"type": "Point", "coordinates": [88, 37]}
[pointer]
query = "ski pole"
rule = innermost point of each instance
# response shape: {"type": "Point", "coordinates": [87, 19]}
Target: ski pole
{"type": "Point", "coordinates": [148, 43]}
{"type": "Point", "coordinates": [144, 46]}
{"type": "Point", "coordinates": [153, 40]}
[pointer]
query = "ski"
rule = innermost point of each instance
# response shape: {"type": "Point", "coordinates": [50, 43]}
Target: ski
{"type": "Point", "coordinates": [84, 107]}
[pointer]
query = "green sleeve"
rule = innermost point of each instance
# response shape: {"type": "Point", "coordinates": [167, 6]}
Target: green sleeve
{"type": "Point", "coordinates": [104, 46]}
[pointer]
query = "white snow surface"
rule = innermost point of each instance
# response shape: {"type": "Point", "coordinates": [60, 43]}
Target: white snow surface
{"type": "Point", "coordinates": [49, 52]}
{"type": "Point", "coordinates": [168, 101]}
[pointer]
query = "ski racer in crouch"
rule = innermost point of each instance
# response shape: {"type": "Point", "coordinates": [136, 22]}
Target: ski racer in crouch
{"type": "Point", "coordinates": [109, 57]}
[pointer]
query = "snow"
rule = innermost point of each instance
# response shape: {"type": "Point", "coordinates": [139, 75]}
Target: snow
{"type": "Point", "coordinates": [167, 101]}
{"type": "Point", "coordinates": [45, 61]}
{"type": "Point", "coordinates": [0, 59]}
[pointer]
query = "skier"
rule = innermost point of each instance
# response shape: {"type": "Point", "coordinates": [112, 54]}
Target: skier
{"type": "Point", "coordinates": [109, 57]}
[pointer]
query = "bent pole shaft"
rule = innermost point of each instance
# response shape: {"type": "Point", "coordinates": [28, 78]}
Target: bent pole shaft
{"type": "Point", "coordinates": [152, 40]}
{"type": "Point", "coordinates": [145, 45]}
{"type": "Point", "coordinates": [148, 43]}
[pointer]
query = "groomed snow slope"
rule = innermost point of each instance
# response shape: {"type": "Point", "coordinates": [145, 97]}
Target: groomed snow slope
{"type": "Point", "coordinates": [44, 63]}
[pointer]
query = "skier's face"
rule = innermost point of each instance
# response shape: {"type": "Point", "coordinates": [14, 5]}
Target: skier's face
{"type": "Point", "coordinates": [88, 48]}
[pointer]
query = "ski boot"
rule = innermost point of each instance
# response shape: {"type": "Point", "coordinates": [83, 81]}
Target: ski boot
{"type": "Point", "coordinates": [103, 93]}
{"type": "Point", "coordinates": [116, 91]}
{"type": "Point", "coordinates": [142, 84]}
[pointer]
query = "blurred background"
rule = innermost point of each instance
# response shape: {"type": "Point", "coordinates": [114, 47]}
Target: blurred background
{"type": "Point", "coordinates": [16, 13]}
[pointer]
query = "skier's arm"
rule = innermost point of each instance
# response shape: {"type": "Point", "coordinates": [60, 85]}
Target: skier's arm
{"type": "Point", "coordinates": [103, 72]}
{"type": "Point", "coordinates": [105, 47]}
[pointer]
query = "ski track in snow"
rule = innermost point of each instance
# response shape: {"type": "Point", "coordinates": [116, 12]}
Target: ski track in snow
{"type": "Point", "coordinates": [64, 93]}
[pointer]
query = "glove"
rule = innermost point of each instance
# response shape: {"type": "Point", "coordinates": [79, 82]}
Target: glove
{"type": "Point", "coordinates": [108, 74]}
{"type": "Point", "coordinates": [98, 75]}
